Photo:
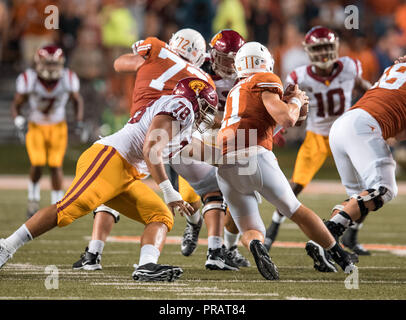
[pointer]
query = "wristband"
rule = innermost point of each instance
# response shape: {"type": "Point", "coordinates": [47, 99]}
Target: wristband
{"type": "Point", "coordinates": [19, 122]}
{"type": "Point", "coordinates": [296, 101]}
{"type": "Point", "coordinates": [169, 193]}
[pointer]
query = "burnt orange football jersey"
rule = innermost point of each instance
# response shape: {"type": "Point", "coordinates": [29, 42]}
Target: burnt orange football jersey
{"type": "Point", "coordinates": [386, 101]}
{"type": "Point", "coordinates": [160, 72]}
{"type": "Point", "coordinates": [246, 121]}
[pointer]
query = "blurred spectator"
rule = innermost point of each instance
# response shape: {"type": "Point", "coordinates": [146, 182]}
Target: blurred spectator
{"type": "Point", "coordinates": [160, 19]}
{"type": "Point", "coordinates": [332, 14]}
{"type": "Point", "coordinates": [28, 27]}
{"type": "Point", "coordinates": [230, 15]}
{"type": "Point", "coordinates": [387, 49]}
{"type": "Point", "coordinates": [400, 18]}
{"type": "Point", "coordinates": [69, 24]}
{"type": "Point", "coordinates": [291, 54]}
{"type": "Point", "coordinates": [4, 17]}
{"type": "Point", "coordinates": [198, 15]}
{"type": "Point", "coordinates": [260, 21]}
{"type": "Point", "coordinates": [383, 15]}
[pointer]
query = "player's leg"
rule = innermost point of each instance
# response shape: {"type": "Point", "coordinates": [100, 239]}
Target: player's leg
{"type": "Point", "coordinates": [231, 238]}
{"type": "Point", "coordinates": [368, 159]}
{"type": "Point", "coordinates": [142, 204]}
{"type": "Point", "coordinates": [87, 191]}
{"type": "Point", "coordinates": [35, 144]}
{"type": "Point", "coordinates": [311, 156]}
{"type": "Point", "coordinates": [274, 187]}
{"type": "Point", "coordinates": [104, 219]}
{"type": "Point", "coordinates": [240, 197]}
{"type": "Point", "coordinates": [57, 141]}
{"type": "Point", "coordinates": [193, 222]}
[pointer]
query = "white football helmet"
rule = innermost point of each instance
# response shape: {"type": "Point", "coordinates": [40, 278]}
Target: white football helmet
{"type": "Point", "coordinates": [190, 45]}
{"type": "Point", "coordinates": [253, 57]}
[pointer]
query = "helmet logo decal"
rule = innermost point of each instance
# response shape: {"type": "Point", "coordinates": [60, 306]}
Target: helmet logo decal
{"type": "Point", "coordinates": [216, 37]}
{"type": "Point", "coordinates": [197, 86]}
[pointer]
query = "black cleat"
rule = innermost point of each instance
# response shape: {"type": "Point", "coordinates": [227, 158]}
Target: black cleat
{"type": "Point", "coordinates": [349, 240]}
{"type": "Point", "coordinates": [32, 208]}
{"type": "Point", "coordinates": [264, 263]}
{"type": "Point", "coordinates": [157, 272]}
{"type": "Point", "coordinates": [88, 261]}
{"type": "Point", "coordinates": [190, 237]}
{"type": "Point", "coordinates": [343, 258]}
{"type": "Point", "coordinates": [234, 255]}
{"type": "Point", "coordinates": [321, 258]}
{"type": "Point", "coordinates": [217, 259]}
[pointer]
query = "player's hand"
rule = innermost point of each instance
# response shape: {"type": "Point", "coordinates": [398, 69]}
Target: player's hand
{"type": "Point", "coordinates": [79, 127]}
{"type": "Point", "coordinates": [182, 207]}
{"type": "Point", "coordinates": [19, 122]}
{"type": "Point", "coordinates": [288, 92]}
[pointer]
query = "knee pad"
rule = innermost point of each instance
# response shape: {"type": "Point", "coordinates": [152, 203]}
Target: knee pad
{"type": "Point", "coordinates": [375, 195]}
{"type": "Point", "coordinates": [214, 202]}
{"type": "Point", "coordinates": [114, 213]}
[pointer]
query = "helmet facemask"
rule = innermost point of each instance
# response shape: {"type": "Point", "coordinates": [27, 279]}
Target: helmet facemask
{"type": "Point", "coordinates": [323, 55]}
{"type": "Point", "coordinates": [206, 115]}
{"type": "Point", "coordinates": [223, 64]}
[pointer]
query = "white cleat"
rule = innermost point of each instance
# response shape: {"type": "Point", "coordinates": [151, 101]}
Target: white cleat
{"type": "Point", "coordinates": [6, 253]}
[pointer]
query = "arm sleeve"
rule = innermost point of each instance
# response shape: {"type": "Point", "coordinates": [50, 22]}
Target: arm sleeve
{"type": "Point", "coordinates": [180, 110]}
{"type": "Point", "coordinates": [74, 83]}
{"type": "Point", "coordinates": [270, 82]}
{"type": "Point", "coordinates": [149, 47]}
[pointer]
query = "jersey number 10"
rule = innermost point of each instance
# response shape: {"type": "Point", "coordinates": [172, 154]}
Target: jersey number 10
{"type": "Point", "coordinates": [321, 111]}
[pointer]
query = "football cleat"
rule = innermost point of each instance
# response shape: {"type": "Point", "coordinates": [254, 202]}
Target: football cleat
{"type": "Point", "coordinates": [322, 259]}
{"type": "Point", "coordinates": [6, 253]}
{"type": "Point", "coordinates": [32, 208]}
{"type": "Point", "coordinates": [88, 261]}
{"type": "Point", "coordinates": [349, 240]}
{"type": "Point", "coordinates": [263, 261]}
{"type": "Point", "coordinates": [217, 259]}
{"type": "Point", "coordinates": [156, 272]}
{"type": "Point", "coordinates": [190, 237]}
{"type": "Point", "coordinates": [234, 255]}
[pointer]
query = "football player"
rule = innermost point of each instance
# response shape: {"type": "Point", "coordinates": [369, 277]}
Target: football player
{"type": "Point", "coordinates": [253, 108]}
{"type": "Point", "coordinates": [47, 88]}
{"type": "Point", "coordinates": [362, 156]}
{"type": "Point", "coordinates": [329, 82]}
{"type": "Point", "coordinates": [220, 66]}
{"type": "Point", "coordinates": [109, 171]}
{"type": "Point", "coordinates": [158, 67]}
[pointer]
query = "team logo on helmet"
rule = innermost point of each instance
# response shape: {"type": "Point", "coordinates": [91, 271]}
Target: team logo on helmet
{"type": "Point", "coordinates": [215, 38]}
{"type": "Point", "coordinates": [197, 85]}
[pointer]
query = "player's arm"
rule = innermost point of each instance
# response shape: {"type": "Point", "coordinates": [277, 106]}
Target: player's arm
{"type": "Point", "coordinates": [16, 105]}
{"type": "Point", "coordinates": [158, 135]}
{"type": "Point", "coordinates": [77, 101]}
{"type": "Point", "coordinates": [128, 62]}
{"type": "Point", "coordinates": [285, 113]}
{"type": "Point", "coordinates": [362, 84]}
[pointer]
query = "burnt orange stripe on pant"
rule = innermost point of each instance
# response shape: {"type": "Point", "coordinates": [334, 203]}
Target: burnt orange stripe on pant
{"type": "Point", "coordinates": [85, 174]}
{"type": "Point", "coordinates": [88, 182]}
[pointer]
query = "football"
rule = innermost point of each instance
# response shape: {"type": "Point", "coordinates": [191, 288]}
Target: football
{"type": "Point", "coordinates": [302, 115]}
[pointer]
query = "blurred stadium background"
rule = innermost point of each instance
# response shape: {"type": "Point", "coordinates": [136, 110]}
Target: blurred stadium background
{"type": "Point", "coordinates": [94, 32]}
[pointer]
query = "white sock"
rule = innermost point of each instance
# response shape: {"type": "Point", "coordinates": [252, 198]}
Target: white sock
{"type": "Point", "coordinates": [277, 218]}
{"type": "Point", "coordinates": [96, 246]}
{"type": "Point", "coordinates": [34, 191]}
{"type": "Point", "coordinates": [194, 218]}
{"type": "Point", "coordinates": [149, 254]}
{"type": "Point", "coordinates": [21, 236]}
{"type": "Point", "coordinates": [356, 226]}
{"type": "Point", "coordinates": [331, 246]}
{"type": "Point", "coordinates": [338, 218]}
{"type": "Point", "coordinates": [214, 242]}
{"type": "Point", "coordinates": [230, 239]}
{"type": "Point", "coordinates": [56, 195]}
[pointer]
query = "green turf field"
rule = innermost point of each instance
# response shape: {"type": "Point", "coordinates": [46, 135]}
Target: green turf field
{"type": "Point", "coordinates": [381, 276]}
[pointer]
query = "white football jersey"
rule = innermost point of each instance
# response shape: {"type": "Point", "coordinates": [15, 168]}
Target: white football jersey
{"type": "Point", "coordinates": [129, 141]}
{"type": "Point", "coordinates": [329, 96]}
{"type": "Point", "coordinates": [47, 105]}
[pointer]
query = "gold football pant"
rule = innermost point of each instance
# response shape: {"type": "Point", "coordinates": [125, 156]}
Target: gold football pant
{"type": "Point", "coordinates": [104, 177]}
{"type": "Point", "coordinates": [46, 143]}
{"type": "Point", "coordinates": [311, 156]}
